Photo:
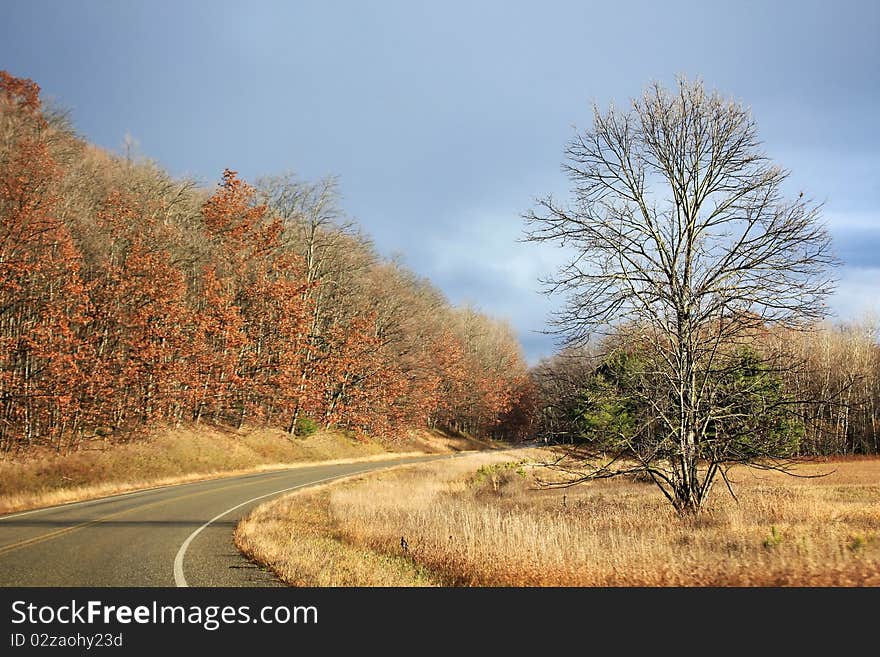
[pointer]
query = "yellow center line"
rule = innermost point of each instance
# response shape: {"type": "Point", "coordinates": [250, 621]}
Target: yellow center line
{"type": "Point", "coordinates": [11, 547]}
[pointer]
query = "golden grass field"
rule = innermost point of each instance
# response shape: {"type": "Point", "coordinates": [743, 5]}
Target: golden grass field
{"type": "Point", "coordinates": [180, 455]}
{"type": "Point", "coordinates": [479, 521]}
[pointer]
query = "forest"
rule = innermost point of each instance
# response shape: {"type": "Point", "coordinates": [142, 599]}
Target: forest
{"type": "Point", "coordinates": [826, 391]}
{"type": "Point", "coordinates": [131, 300]}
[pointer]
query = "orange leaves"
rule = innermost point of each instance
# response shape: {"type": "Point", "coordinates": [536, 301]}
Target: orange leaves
{"type": "Point", "coordinates": [480, 372]}
{"type": "Point", "coordinates": [139, 325]}
{"type": "Point", "coordinates": [228, 213]}
{"type": "Point", "coordinates": [238, 225]}
{"type": "Point", "coordinates": [252, 313]}
{"type": "Point", "coordinates": [29, 229]}
{"type": "Point", "coordinates": [41, 293]}
{"type": "Point", "coordinates": [21, 93]}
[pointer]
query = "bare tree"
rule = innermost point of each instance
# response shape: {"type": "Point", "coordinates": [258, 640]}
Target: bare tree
{"type": "Point", "coordinates": [683, 236]}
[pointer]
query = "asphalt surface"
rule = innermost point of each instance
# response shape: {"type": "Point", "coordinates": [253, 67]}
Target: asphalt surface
{"type": "Point", "coordinates": [173, 536]}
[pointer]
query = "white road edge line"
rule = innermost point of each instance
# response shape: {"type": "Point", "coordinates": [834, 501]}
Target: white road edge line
{"type": "Point", "coordinates": [180, 579]}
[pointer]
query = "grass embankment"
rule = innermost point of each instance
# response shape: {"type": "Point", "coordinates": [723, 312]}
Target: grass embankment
{"type": "Point", "coordinates": [180, 455]}
{"type": "Point", "coordinates": [478, 520]}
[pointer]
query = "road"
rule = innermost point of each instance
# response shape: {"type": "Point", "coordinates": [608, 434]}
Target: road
{"type": "Point", "coordinates": [173, 536]}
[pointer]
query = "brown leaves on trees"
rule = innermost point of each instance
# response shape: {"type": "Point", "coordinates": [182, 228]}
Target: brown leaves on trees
{"type": "Point", "coordinates": [128, 299]}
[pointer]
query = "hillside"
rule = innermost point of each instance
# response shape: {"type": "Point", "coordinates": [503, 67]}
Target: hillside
{"type": "Point", "coordinates": [132, 299]}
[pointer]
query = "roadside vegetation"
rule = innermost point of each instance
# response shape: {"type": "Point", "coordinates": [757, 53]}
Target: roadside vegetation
{"type": "Point", "coordinates": [481, 520]}
{"type": "Point", "coordinates": [180, 455]}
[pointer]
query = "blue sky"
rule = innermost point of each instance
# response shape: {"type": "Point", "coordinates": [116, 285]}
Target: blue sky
{"type": "Point", "coordinates": [444, 120]}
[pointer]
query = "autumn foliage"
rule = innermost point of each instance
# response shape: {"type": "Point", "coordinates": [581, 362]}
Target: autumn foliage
{"type": "Point", "coordinates": [129, 299]}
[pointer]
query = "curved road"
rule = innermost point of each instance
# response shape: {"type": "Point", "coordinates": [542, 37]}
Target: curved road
{"type": "Point", "coordinates": [173, 536]}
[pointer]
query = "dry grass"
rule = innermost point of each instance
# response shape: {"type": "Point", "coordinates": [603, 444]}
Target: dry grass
{"type": "Point", "coordinates": [181, 455]}
{"type": "Point", "coordinates": [295, 538]}
{"type": "Point", "coordinates": [476, 521]}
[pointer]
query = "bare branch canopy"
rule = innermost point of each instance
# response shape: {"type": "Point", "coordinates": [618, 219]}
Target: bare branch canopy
{"type": "Point", "coordinates": [685, 239]}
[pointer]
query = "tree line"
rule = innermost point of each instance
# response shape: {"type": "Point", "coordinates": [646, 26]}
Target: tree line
{"type": "Point", "coordinates": [129, 299]}
{"type": "Point", "coordinates": [825, 391]}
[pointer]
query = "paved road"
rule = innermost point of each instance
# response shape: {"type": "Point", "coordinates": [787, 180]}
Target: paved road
{"type": "Point", "coordinates": [177, 535]}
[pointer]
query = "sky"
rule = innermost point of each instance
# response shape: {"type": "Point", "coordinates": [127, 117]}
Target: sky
{"type": "Point", "coordinates": [445, 120]}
